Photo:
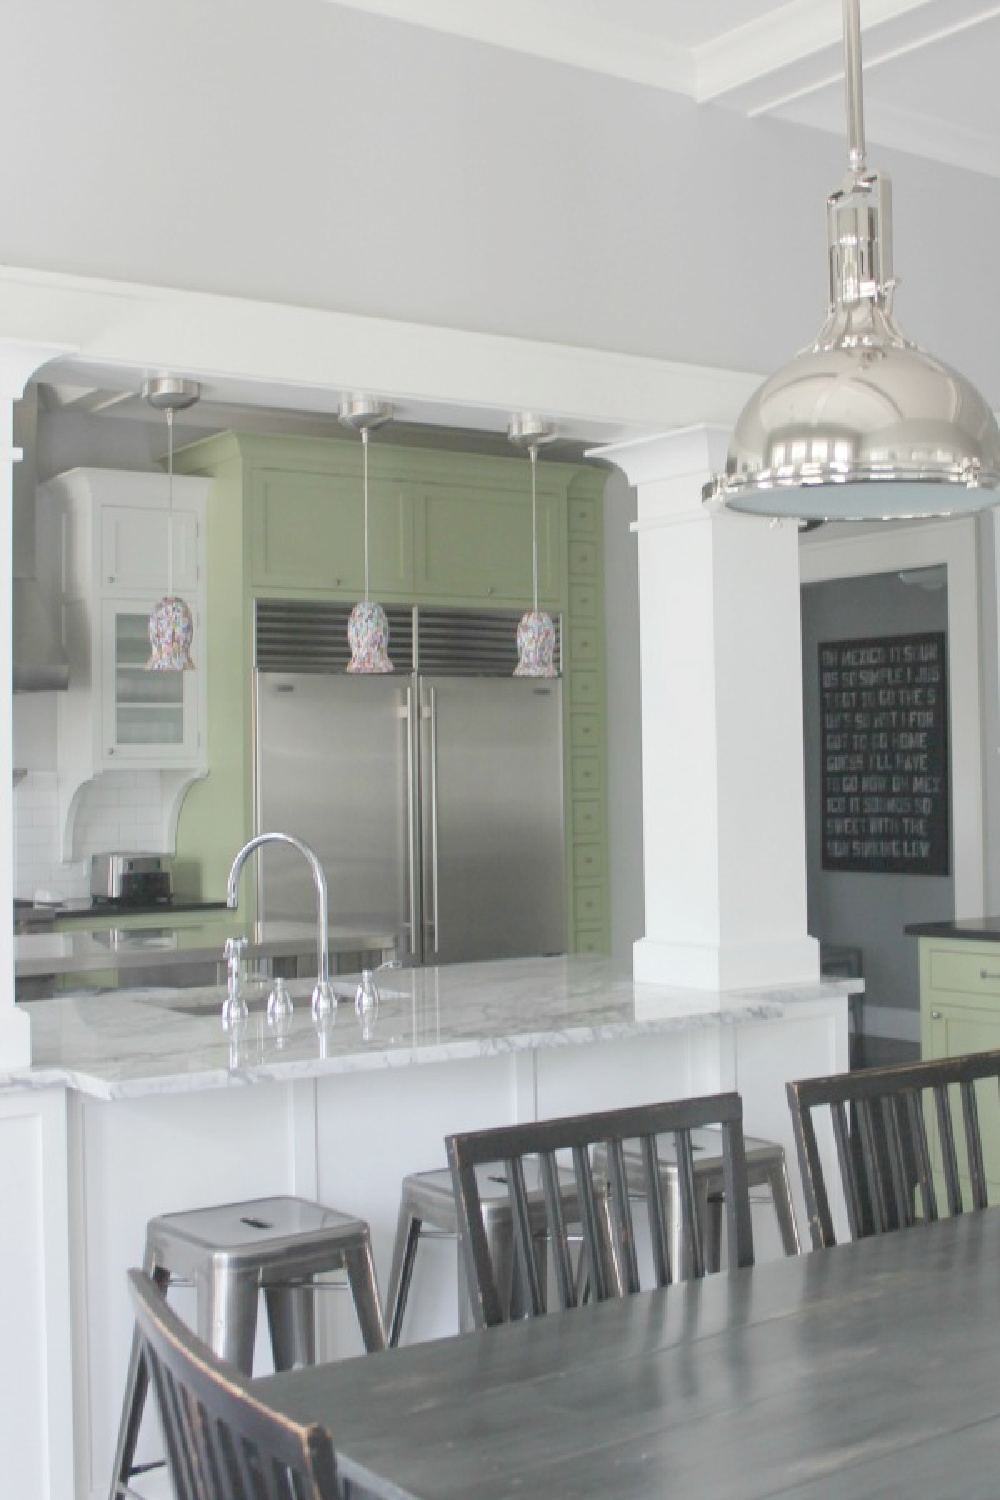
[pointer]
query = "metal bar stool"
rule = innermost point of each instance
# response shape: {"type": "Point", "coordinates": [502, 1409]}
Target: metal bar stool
{"type": "Point", "coordinates": [232, 1252]}
{"type": "Point", "coordinates": [765, 1168]}
{"type": "Point", "coordinates": [429, 1198]}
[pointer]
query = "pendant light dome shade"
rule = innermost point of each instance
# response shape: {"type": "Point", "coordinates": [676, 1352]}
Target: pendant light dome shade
{"type": "Point", "coordinates": [863, 425]}
{"type": "Point", "coordinates": [171, 625]}
{"type": "Point", "coordinates": [368, 627]}
{"type": "Point", "coordinates": [536, 631]}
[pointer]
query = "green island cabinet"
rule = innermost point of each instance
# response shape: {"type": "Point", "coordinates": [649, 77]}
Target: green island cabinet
{"type": "Point", "coordinates": [960, 1013]}
{"type": "Point", "coordinates": [286, 521]}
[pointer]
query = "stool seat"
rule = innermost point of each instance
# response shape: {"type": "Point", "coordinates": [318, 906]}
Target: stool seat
{"type": "Point", "coordinates": [429, 1198]}
{"type": "Point", "coordinates": [766, 1167]}
{"type": "Point", "coordinates": [232, 1252]}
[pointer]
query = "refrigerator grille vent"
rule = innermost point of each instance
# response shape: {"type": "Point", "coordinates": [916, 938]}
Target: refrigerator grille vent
{"type": "Point", "coordinates": [312, 637]}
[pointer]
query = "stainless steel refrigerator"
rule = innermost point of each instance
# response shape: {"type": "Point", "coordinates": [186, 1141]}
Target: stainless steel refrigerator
{"type": "Point", "coordinates": [433, 795]}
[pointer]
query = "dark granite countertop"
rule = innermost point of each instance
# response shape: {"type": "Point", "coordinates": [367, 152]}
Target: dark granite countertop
{"type": "Point", "coordinates": [972, 929]}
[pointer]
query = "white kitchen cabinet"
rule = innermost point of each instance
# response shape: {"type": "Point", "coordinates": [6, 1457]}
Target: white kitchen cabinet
{"type": "Point", "coordinates": [134, 548]}
{"type": "Point", "coordinates": [149, 718]}
{"type": "Point", "coordinates": [119, 536]}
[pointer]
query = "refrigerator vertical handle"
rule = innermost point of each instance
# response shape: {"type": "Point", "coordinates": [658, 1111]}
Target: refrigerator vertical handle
{"type": "Point", "coordinates": [434, 818]}
{"type": "Point", "coordinates": [411, 828]}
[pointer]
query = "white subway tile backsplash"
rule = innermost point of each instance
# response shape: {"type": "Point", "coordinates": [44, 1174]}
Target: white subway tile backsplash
{"type": "Point", "coordinates": [120, 810]}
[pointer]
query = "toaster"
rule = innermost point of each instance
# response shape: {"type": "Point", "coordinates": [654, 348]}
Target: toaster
{"type": "Point", "coordinates": [130, 879]}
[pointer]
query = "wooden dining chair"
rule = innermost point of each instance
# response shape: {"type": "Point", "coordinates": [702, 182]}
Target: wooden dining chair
{"type": "Point", "coordinates": [222, 1442]}
{"type": "Point", "coordinates": [901, 1132]}
{"type": "Point", "coordinates": [607, 1264]}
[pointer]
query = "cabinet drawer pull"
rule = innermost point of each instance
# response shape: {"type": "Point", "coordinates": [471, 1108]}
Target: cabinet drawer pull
{"type": "Point", "coordinates": [985, 974]}
{"type": "Point", "coordinates": [935, 1015]}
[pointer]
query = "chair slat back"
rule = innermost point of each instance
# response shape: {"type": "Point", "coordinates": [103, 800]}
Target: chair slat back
{"type": "Point", "coordinates": [896, 1131]}
{"type": "Point", "coordinates": [608, 1262]}
{"type": "Point", "coordinates": [222, 1442]}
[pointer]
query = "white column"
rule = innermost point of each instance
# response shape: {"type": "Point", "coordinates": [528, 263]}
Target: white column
{"type": "Point", "coordinates": [18, 362]}
{"type": "Point", "coordinates": [722, 778]}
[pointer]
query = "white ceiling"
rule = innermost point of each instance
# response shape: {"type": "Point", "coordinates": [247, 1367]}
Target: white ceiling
{"type": "Point", "coordinates": [930, 66]}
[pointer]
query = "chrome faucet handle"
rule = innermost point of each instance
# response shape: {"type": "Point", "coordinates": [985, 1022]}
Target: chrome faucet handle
{"type": "Point", "coordinates": [279, 1002]}
{"type": "Point", "coordinates": [366, 996]}
{"type": "Point", "coordinates": [234, 1008]}
{"type": "Point", "coordinates": [324, 1001]}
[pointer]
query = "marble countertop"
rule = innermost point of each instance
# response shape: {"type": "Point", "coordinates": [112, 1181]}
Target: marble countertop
{"type": "Point", "coordinates": [135, 948]}
{"type": "Point", "coordinates": [132, 1043]}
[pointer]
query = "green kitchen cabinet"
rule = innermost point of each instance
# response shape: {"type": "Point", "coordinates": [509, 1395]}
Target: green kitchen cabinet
{"type": "Point", "coordinates": [960, 1013]}
{"type": "Point", "coordinates": [449, 529]}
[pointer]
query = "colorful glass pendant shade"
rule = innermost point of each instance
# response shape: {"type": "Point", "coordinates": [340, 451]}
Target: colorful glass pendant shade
{"type": "Point", "coordinates": [171, 624]}
{"type": "Point", "coordinates": [536, 631]}
{"type": "Point", "coordinates": [368, 627]}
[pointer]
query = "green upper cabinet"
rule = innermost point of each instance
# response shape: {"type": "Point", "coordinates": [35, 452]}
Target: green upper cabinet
{"type": "Point", "coordinates": [455, 528]}
{"type": "Point", "coordinates": [308, 529]}
{"type": "Point", "coordinates": [473, 541]}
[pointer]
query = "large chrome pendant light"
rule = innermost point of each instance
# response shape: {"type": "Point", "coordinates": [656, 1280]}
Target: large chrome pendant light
{"type": "Point", "coordinates": [368, 628]}
{"type": "Point", "coordinates": [171, 626]}
{"type": "Point", "coordinates": [536, 632]}
{"type": "Point", "coordinates": [862, 425]}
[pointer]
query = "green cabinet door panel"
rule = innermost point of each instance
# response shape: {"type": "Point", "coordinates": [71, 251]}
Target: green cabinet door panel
{"type": "Point", "coordinates": [474, 542]}
{"type": "Point", "coordinates": [308, 532]}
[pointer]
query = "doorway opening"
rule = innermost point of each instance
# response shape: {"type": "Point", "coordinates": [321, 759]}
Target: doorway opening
{"type": "Point", "coordinates": [872, 867]}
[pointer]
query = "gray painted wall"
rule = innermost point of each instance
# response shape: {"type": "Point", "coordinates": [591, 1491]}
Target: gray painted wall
{"type": "Point", "coordinates": [313, 155]}
{"type": "Point", "coordinates": [858, 909]}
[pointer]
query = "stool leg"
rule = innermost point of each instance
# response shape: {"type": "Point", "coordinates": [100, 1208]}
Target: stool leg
{"type": "Point", "coordinates": [500, 1237]}
{"type": "Point", "coordinates": [364, 1289]}
{"type": "Point", "coordinates": [404, 1253]}
{"type": "Point", "coordinates": [291, 1319]}
{"type": "Point", "coordinates": [227, 1314]}
{"type": "Point", "coordinates": [712, 1209]}
{"type": "Point", "coordinates": [136, 1388]}
{"type": "Point", "coordinates": [781, 1197]}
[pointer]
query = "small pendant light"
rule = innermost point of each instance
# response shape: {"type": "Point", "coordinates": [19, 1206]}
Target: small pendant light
{"type": "Point", "coordinates": [171, 626]}
{"type": "Point", "coordinates": [368, 628]}
{"type": "Point", "coordinates": [536, 632]}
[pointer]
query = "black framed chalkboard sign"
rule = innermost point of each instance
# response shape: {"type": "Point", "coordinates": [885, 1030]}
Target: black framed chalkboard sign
{"type": "Point", "coordinates": [884, 743]}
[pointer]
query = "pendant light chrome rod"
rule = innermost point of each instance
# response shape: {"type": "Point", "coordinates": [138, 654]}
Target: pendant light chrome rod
{"type": "Point", "coordinates": [852, 83]}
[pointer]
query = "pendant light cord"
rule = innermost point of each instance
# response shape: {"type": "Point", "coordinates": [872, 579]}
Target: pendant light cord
{"type": "Point", "coordinates": [364, 450]}
{"type": "Point", "coordinates": [170, 502]}
{"type": "Point", "coordinates": [533, 450]}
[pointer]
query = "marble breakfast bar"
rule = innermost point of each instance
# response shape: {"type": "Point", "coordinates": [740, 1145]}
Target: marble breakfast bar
{"type": "Point", "coordinates": [162, 1109]}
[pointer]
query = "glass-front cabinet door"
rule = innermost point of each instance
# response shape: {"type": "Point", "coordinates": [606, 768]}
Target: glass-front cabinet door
{"type": "Point", "coordinates": [148, 717]}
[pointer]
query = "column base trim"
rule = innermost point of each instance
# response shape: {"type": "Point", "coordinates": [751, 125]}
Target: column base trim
{"type": "Point", "coordinates": [707, 966]}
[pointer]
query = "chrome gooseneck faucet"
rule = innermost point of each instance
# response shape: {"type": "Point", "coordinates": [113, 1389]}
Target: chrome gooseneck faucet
{"type": "Point", "coordinates": [324, 1001]}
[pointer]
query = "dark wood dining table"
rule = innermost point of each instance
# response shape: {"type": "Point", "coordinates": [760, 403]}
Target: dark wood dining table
{"type": "Point", "coordinates": [871, 1369]}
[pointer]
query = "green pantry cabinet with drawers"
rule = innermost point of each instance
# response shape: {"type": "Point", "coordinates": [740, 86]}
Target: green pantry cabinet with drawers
{"type": "Point", "coordinates": [286, 521]}
{"type": "Point", "coordinates": [960, 1013]}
